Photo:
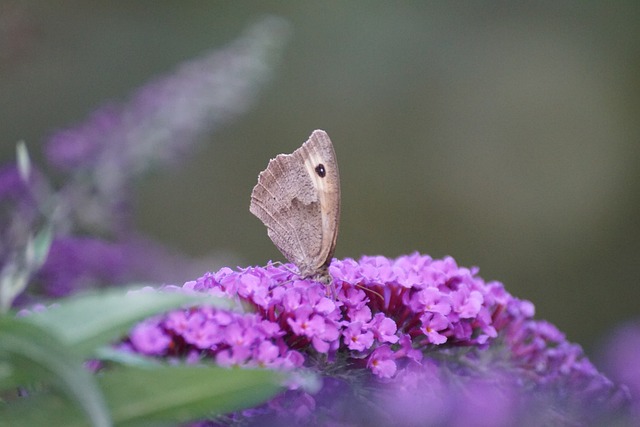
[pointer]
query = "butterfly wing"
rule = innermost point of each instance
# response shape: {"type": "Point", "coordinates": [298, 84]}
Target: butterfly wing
{"type": "Point", "coordinates": [297, 197]}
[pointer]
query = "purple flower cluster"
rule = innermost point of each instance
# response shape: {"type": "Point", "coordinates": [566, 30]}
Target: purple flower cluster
{"type": "Point", "coordinates": [384, 310]}
{"type": "Point", "coordinates": [401, 320]}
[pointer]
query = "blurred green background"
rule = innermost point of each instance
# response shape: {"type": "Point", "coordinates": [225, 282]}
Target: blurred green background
{"type": "Point", "coordinates": [504, 134]}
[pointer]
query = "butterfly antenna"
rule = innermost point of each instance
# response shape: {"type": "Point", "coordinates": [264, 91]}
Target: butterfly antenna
{"type": "Point", "coordinates": [364, 288]}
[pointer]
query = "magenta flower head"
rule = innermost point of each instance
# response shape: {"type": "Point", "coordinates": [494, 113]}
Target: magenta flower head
{"type": "Point", "coordinates": [412, 340]}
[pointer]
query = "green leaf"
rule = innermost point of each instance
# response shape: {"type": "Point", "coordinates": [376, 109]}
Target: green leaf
{"type": "Point", "coordinates": [13, 280]}
{"type": "Point", "coordinates": [30, 353]}
{"type": "Point", "coordinates": [40, 410]}
{"type": "Point", "coordinates": [110, 354]}
{"type": "Point", "coordinates": [23, 161]}
{"type": "Point", "coordinates": [185, 392]}
{"type": "Point", "coordinates": [159, 396]}
{"type": "Point", "coordinates": [90, 321]}
{"type": "Point", "coordinates": [15, 274]}
{"type": "Point", "coordinates": [38, 247]}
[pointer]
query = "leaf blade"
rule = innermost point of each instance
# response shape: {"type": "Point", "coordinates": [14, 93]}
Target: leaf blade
{"type": "Point", "coordinates": [184, 393]}
{"type": "Point", "coordinates": [35, 355]}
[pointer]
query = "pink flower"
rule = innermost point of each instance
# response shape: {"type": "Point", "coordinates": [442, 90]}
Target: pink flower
{"type": "Point", "coordinates": [356, 339]}
{"type": "Point", "coordinates": [381, 362]}
{"type": "Point", "coordinates": [384, 329]}
{"type": "Point", "coordinates": [432, 324]}
{"type": "Point", "coordinates": [149, 339]}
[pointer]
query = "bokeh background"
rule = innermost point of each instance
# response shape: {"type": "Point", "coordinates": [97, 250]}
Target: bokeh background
{"type": "Point", "coordinates": [504, 134]}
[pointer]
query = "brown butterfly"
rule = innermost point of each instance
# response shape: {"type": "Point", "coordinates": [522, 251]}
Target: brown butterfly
{"type": "Point", "coordinates": [298, 198]}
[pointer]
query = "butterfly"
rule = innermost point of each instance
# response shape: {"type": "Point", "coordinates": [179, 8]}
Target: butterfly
{"type": "Point", "coordinates": [297, 197]}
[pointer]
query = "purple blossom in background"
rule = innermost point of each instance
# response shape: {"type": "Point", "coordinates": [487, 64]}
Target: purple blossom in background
{"type": "Point", "coordinates": [83, 262]}
{"type": "Point", "coordinates": [95, 243]}
{"type": "Point", "coordinates": [408, 341]}
{"type": "Point", "coordinates": [164, 119]}
{"type": "Point", "coordinates": [158, 126]}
